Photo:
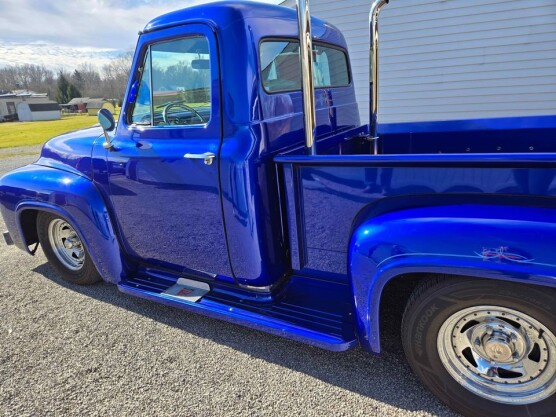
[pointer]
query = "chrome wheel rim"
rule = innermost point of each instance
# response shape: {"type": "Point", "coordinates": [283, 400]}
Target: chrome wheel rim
{"type": "Point", "coordinates": [66, 244]}
{"type": "Point", "coordinates": [500, 354]}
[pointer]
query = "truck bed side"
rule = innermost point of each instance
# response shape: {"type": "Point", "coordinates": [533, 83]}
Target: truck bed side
{"type": "Point", "coordinates": [340, 225]}
{"type": "Point", "coordinates": [327, 194]}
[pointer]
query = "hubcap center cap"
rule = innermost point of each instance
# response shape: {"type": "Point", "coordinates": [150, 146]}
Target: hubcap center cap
{"type": "Point", "coordinates": [499, 350]}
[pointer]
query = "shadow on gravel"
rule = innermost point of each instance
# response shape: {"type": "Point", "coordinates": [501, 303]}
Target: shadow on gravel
{"type": "Point", "coordinates": [387, 378]}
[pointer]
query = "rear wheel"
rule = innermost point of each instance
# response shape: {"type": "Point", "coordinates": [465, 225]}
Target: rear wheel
{"type": "Point", "coordinates": [485, 348]}
{"type": "Point", "coordinates": [65, 250]}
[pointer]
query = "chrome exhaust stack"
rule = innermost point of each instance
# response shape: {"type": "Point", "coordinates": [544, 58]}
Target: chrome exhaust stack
{"type": "Point", "coordinates": [373, 70]}
{"type": "Point", "coordinates": [306, 61]}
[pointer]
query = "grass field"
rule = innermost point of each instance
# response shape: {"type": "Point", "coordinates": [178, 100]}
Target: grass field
{"type": "Point", "coordinates": [15, 134]}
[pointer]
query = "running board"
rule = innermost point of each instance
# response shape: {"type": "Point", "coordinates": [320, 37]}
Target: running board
{"type": "Point", "coordinates": [297, 316]}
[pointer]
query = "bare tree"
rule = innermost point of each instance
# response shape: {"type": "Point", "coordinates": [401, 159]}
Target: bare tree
{"type": "Point", "coordinates": [87, 79]}
{"type": "Point", "coordinates": [27, 77]}
{"type": "Point", "coordinates": [8, 77]}
{"type": "Point", "coordinates": [115, 75]}
{"type": "Point", "coordinates": [110, 83]}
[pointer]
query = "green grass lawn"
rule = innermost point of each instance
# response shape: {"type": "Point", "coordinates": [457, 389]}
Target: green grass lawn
{"type": "Point", "coordinates": [14, 134]}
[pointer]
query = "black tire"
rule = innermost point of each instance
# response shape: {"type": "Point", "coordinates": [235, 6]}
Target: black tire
{"type": "Point", "coordinates": [87, 274]}
{"type": "Point", "coordinates": [434, 302]}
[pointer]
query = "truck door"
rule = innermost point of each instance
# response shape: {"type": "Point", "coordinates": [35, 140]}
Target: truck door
{"type": "Point", "coordinates": [163, 170]}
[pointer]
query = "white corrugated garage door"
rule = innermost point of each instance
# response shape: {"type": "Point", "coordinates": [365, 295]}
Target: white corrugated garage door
{"type": "Point", "coordinates": [453, 59]}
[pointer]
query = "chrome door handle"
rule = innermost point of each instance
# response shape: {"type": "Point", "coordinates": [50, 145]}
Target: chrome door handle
{"type": "Point", "coordinates": [207, 157]}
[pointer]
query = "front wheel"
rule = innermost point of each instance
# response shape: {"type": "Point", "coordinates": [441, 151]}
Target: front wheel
{"type": "Point", "coordinates": [485, 348]}
{"type": "Point", "coordinates": [65, 250]}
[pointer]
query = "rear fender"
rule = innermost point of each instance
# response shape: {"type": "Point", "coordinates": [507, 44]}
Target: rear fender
{"type": "Point", "coordinates": [71, 195]}
{"type": "Point", "coordinates": [495, 242]}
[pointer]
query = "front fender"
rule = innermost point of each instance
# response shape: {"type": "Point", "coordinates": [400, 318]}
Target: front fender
{"type": "Point", "coordinates": [71, 195]}
{"type": "Point", "coordinates": [487, 241]}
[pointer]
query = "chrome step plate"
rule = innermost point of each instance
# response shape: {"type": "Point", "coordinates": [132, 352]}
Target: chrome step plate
{"type": "Point", "coordinates": [187, 289]}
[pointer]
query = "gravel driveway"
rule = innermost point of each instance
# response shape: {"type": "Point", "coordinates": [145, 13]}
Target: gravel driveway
{"type": "Point", "coordinates": [68, 350]}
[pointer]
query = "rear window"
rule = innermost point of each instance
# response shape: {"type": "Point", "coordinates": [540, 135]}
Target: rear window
{"type": "Point", "coordinates": [280, 69]}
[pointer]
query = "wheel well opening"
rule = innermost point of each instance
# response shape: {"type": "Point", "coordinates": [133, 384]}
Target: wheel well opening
{"type": "Point", "coordinates": [396, 295]}
{"type": "Point", "coordinates": [28, 221]}
{"type": "Point", "coordinates": [393, 300]}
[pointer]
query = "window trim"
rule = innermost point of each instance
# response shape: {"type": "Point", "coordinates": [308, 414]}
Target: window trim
{"type": "Point", "coordinates": [321, 43]}
{"type": "Point", "coordinates": [151, 88]}
{"type": "Point", "coordinates": [139, 74]}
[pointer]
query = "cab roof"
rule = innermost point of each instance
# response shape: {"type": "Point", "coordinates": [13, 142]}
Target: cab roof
{"type": "Point", "coordinates": [237, 15]}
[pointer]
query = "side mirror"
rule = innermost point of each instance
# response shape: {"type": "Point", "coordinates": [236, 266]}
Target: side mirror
{"type": "Point", "coordinates": [106, 121]}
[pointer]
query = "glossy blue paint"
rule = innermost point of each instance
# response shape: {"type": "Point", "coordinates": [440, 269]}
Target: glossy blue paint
{"type": "Point", "coordinates": [168, 207]}
{"type": "Point", "coordinates": [499, 135]}
{"type": "Point", "coordinates": [329, 192]}
{"type": "Point", "coordinates": [452, 240]}
{"type": "Point", "coordinates": [71, 151]}
{"type": "Point", "coordinates": [255, 126]}
{"type": "Point", "coordinates": [73, 196]}
{"type": "Point", "coordinates": [299, 246]}
{"type": "Point", "coordinates": [249, 125]}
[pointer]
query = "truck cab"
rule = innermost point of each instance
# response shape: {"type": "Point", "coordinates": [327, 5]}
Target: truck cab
{"type": "Point", "coordinates": [239, 182]}
{"type": "Point", "coordinates": [204, 172]}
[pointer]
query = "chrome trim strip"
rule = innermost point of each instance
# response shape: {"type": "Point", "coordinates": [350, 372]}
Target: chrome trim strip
{"type": "Point", "coordinates": [265, 289]}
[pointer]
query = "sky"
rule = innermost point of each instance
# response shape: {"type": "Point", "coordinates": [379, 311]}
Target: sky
{"type": "Point", "coordinates": [61, 34]}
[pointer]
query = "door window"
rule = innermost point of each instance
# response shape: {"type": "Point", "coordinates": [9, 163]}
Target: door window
{"type": "Point", "coordinates": [175, 86]}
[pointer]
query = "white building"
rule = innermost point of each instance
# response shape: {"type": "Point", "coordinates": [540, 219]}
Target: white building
{"type": "Point", "coordinates": [452, 59]}
{"type": "Point", "coordinates": [32, 112]}
{"type": "Point", "coordinates": [10, 101]}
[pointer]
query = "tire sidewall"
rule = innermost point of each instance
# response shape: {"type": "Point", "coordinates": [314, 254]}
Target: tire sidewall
{"type": "Point", "coordinates": [422, 324]}
{"type": "Point", "coordinates": [87, 274]}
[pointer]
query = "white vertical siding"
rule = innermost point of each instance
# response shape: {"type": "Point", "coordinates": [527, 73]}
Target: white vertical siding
{"type": "Point", "coordinates": [453, 59]}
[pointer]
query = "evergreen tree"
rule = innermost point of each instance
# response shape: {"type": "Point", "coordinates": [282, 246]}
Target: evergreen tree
{"type": "Point", "coordinates": [77, 79]}
{"type": "Point", "coordinates": [72, 92]}
{"type": "Point", "coordinates": [63, 85]}
{"type": "Point", "coordinates": [66, 90]}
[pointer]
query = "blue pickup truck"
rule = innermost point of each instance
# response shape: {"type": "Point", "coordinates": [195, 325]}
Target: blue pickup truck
{"type": "Point", "coordinates": [240, 183]}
